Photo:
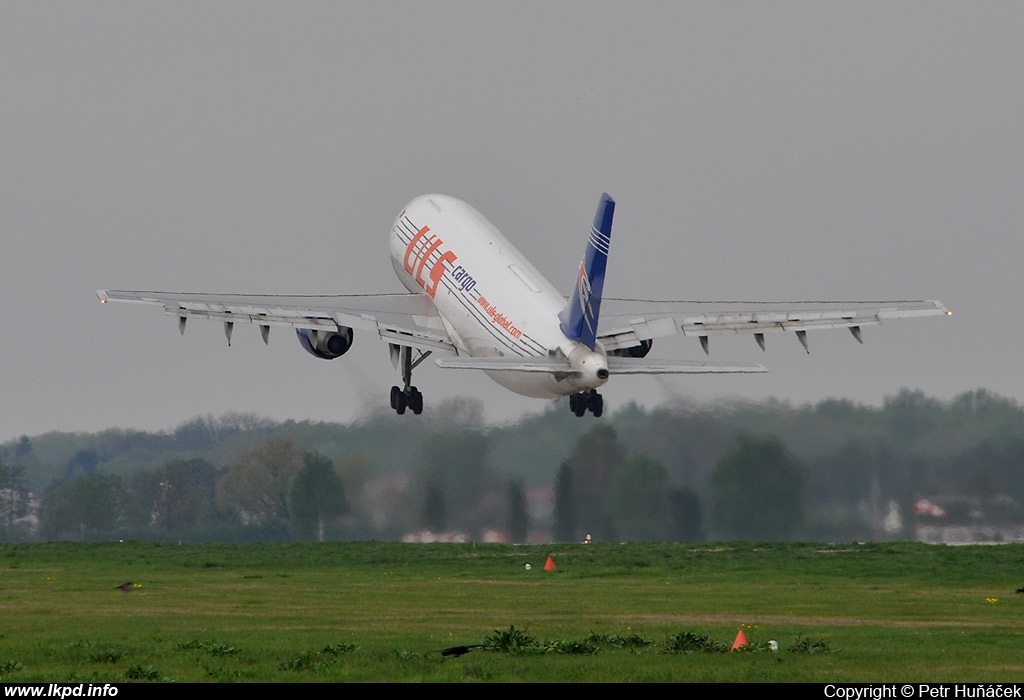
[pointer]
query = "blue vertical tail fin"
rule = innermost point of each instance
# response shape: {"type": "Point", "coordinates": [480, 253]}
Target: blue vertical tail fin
{"type": "Point", "coordinates": [578, 320]}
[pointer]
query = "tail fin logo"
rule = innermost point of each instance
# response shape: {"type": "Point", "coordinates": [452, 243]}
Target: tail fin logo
{"type": "Point", "coordinates": [584, 291]}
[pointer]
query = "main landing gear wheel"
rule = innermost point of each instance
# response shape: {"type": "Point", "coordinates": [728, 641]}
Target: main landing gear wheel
{"type": "Point", "coordinates": [411, 399]}
{"type": "Point", "coordinates": [409, 396]}
{"type": "Point", "coordinates": [585, 401]}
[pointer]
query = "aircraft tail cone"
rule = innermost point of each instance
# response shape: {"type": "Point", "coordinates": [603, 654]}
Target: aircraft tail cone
{"type": "Point", "coordinates": [740, 641]}
{"type": "Point", "coordinates": [549, 565]}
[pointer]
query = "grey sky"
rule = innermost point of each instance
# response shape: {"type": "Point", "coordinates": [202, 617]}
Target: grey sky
{"type": "Point", "coordinates": [775, 151]}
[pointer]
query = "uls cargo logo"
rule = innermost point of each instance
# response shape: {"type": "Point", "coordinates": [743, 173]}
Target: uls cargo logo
{"type": "Point", "coordinates": [420, 248]}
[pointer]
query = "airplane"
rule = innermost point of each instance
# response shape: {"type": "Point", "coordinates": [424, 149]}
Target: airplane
{"type": "Point", "coordinates": [474, 297]}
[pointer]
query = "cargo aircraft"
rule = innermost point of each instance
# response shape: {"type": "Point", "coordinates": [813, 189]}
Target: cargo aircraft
{"type": "Point", "coordinates": [472, 296]}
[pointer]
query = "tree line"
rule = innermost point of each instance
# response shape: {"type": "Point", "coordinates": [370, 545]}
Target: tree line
{"type": "Point", "coordinates": [686, 472]}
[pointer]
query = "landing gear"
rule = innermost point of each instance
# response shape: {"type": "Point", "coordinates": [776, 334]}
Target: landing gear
{"type": "Point", "coordinates": [410, 398]}
{"type": "Point", "coordinates": [588, 400]}
{"type": "Point", "coordinates": [406, 396]}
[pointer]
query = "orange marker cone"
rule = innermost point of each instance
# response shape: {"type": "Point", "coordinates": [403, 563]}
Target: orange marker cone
{"type": "Point", "coordinates": [741, 641]}
{"type": "Point", "coordinates": [549, 565]}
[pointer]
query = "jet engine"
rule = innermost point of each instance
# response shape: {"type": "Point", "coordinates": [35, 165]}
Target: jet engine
{"type": "Point", "coordinates": [327, 345]}
{"type": "Point", "coordinates": [640, 350]}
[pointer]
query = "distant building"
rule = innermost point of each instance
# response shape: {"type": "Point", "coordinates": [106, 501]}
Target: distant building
{"type": "Point", "coordinates": [968, 520]}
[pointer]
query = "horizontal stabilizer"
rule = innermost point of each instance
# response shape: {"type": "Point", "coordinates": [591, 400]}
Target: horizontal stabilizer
{"type": "Point", "coordinates": [631, 365]}
{"type": "Point", "coordinates": [616, 365]}
{"type": "Point", "coordinates": [549, 365]}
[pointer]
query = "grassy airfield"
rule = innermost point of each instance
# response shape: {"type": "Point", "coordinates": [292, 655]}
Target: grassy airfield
{"type": "Point", "coordinates": [608, 613]}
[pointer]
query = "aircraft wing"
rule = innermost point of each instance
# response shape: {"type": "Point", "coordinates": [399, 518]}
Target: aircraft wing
{"type": "Point", "coordinates": [402, 319]}
{"type": "Point", "coordinates": [628, 322]}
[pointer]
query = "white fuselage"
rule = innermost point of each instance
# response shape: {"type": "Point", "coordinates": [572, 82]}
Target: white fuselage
{"type": "Point", "coordinates": [491, 300]}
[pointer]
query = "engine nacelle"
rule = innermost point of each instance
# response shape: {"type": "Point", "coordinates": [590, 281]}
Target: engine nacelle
{"type": "Point", "coordinates": [640, 350]}
{"type": "Point", "coordinates": [327, 345]}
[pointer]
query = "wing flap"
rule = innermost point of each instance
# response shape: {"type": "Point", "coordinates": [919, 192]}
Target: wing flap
{"type": "Point", "coordinates": [626, 322]}
{"type": "Point", "coordinates": [408, 319]}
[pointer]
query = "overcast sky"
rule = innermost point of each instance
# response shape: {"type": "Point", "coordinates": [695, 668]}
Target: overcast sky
{"type": "Point", "coordinates": [778, 151]}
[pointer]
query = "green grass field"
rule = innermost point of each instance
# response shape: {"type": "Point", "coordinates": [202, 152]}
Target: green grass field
{"type": "Point", "coordinates": [608, 613]}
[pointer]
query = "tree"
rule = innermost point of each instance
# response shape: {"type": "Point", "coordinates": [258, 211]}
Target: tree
{"type": "Point", "coordinates": [757, 491]}
{"type": "Point", "coordinates": [83, 463]}
{"type": "Point", "coordinates": [13, 501]}
{"type": "Point", "coordinates": [435, 512]}
{"type": "Point", "coordinates": [199, 433]}
{"type": "Point", "coordinates": [259, 482]}
{"type": "Point", "coordinates": [317, 498]}
{"type": "Point", "coordinates": [597, 456]}
{"type": "Point", "coordinates": [912, 413]}
{"type": "Point", "coordinates": [685, 507]}
{"type": "Point", "coordinates": [518, 520]}
{"type": "Point", "coordinates": [356, 473]}
{"type": "Point", "coordinates": [565, 520]}
{"type": "Point", "coordinates": [205, 432]}
{"type": "Point", "coordinates": [24, 447]}
{"type": "Point", "coordinates": [459, 484]}
{"type": "Point", "coordinates": [178, 500]}
{"type": "Point", "coordinates": [89, 508]}
{"type": "Point", "coordinates": [638, 500]}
